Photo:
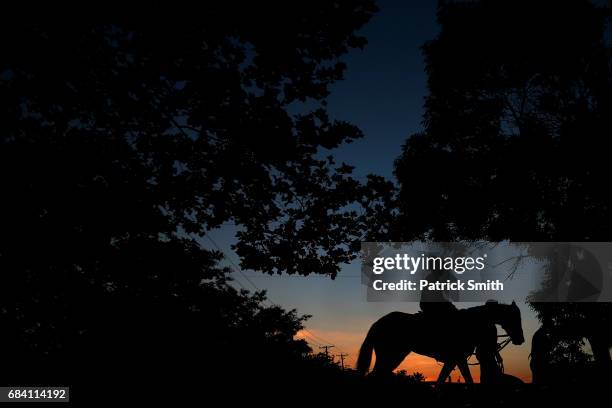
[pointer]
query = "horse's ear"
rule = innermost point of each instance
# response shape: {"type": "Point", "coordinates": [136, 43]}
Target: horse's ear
{"type": "Point", "coordinates": [513, 303]}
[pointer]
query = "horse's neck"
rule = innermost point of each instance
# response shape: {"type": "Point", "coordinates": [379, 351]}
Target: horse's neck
{"type": "Point", "coordinates": [481, 313]}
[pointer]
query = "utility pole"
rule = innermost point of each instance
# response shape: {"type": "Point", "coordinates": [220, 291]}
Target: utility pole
{"type": "Point", "coordinates": [326, 350]}
{"type": "Point", "coordinates": [342, 355]}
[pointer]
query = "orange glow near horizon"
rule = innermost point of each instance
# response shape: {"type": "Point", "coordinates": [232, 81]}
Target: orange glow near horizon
{"type": "Point", "coordinates": [515, 359]}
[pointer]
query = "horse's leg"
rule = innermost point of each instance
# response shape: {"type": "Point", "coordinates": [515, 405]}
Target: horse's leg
{"type": "Point", "coordinates": [387, 361]}
{"type": "Point", "coordinates": [486, 352]}
{"type": "Point", "coordinates": [445, 372]}
{"type": "Point", "coordinates": [465, 371]}
{"type": "Point", "coordinates": [489, 370]}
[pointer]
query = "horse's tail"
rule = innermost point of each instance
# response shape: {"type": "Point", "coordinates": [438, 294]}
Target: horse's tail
{"type": "Point", "coordinates": [365, 352]}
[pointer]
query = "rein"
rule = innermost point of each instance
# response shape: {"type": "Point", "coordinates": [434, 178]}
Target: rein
{"type": "Point", "coordinates": [500, 346]}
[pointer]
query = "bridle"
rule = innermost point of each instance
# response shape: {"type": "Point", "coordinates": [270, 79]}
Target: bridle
{"type": "Point", "coordinates": [507, 339]}
{"type": "Point", "coordinates": [500, 346]}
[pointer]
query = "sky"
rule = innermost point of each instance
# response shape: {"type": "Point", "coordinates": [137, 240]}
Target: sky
{"type": "Point", "coordinates": [383, 93]}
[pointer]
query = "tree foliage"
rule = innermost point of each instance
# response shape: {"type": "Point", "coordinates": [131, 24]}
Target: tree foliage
{"type": "Point", "coordinates": [517, 125]}
{"type": "Point", "coordinates": [516, 133]}
{"type": "Point", "coordinates": [122, 144]}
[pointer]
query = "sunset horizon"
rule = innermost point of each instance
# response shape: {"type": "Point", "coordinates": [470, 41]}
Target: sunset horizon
{"type": "Point", "coordinates": [346, 202]}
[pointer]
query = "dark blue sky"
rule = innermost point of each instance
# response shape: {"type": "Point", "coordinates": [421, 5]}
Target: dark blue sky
{"type": "Point", "coordinates": [385, 84]}
{"type": "Point", "coordinates": [383, 94]}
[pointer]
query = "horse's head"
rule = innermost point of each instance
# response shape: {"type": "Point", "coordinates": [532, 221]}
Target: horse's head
{"type": "Point", "coordinates": [510, 321]}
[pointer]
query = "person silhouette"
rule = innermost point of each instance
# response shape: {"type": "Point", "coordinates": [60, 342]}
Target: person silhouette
{"type": "Point", "coordinates": [435, 303]}
{"type": "Point", "coordinates": [542, 345]}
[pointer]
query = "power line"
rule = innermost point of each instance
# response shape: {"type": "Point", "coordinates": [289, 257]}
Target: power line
{"type": "Point", "coordinates": [342, 355]}
{"type": "Point", "coordinates": [310, 340]}
{"type": "Point", "coordinates": [236, 268]}
{"type": "Point", "coordinates": [323, 340]}
{"type": "Point", "coordinates": [326, 348]}
{"type": "Point", "coordinates": [269, 301]}
{"type": "Point", "coordinates": [232, 262]}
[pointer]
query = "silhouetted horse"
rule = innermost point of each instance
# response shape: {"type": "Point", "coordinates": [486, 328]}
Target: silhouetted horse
{"type": "Point", "coordinates": [395, 335]}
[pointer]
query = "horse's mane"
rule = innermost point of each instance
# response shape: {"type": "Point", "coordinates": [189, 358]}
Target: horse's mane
{"type": "Point", "coordinates": [476, 309]}
{"type": "Point", "coordinates": [487, 311]}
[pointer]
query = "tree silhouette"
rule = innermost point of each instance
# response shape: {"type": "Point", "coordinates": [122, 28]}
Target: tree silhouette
{"type": "Point", "coordinates": [124, 143]}
{"type": "Point", "coordinates": [414, 377]}
{"type": "Point", "coordinates": [516, 134]}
